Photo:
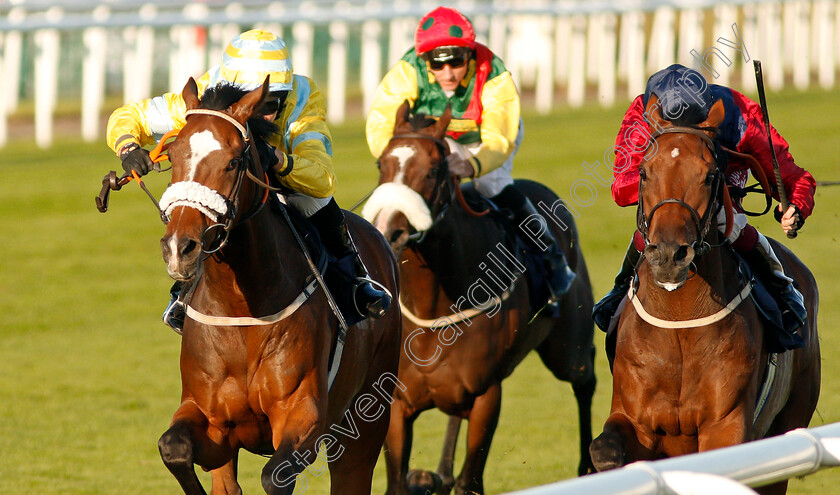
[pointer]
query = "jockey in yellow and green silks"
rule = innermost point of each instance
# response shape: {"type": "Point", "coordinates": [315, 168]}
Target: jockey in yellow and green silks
{"type": "Point", "coordinates": [447, 67]}
{"type": "Point", "coordinates": [299, 155]}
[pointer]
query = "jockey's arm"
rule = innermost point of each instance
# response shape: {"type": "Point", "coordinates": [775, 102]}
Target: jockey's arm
{"type": "Point", "coordinates": [500, 118]}
{"type": "Point", "coordinates": [145, 121]}
{"type": "Point", "coordinates": [306, 161]}
{"type": "Point", "coordinates": [398, 85]}
{"type": "Point", "coordinates": [799, 184]}
{"type": "Point", "coordinates": [629, 152]}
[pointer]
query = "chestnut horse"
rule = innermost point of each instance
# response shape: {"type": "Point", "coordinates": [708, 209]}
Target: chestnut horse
{"type": "Point", "coordinates": [252, 381]}
{"type": "Point", "coordinates": [692, 383]}
{"type": "Point", "coordinates": [460, 338]}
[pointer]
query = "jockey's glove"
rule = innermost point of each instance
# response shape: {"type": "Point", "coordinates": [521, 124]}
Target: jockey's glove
{"type": "Point", "coordinates": [797, 215]}
{"type": "Point", "coordinates": [267, 154]}
{"type": "Point", "coordinates": [136, 159]}
{"type": "Point", "coordinates": [459, 167]}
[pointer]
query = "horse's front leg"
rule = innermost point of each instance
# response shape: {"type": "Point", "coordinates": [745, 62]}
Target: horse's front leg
{"type": "Point", "coordinates": [295, 424]}
{"type": "Point", "coordinates": [618, 444]}
{"type": "Point", "coordinates": [481, 426]}
{"type": "Point", "coordinates": [224, 478]}
{"type": "Point", "coordinates": [398, 448]}
{"type": "Point", "coordinates": [731, 430]}
{"type": "Point", "coordinates": [191, 440]}
{"type": "Point", "coordinates": [447, 458]}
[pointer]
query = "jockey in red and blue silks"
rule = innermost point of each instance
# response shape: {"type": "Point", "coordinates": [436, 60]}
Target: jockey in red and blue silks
{"type": "Point", "coordinates": [685, 99]}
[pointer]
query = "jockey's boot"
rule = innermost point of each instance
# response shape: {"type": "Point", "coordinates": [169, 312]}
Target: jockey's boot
{"type": "Point", "coordinates": [762, 259]}
{"type": "Point", "coordinates": [370, 302]}
{"type": "Point", "coordinates": [176, 310]}
{"type": "Point", "coordinates": [559, 275]}
{"type": "Point", "coordinates": [604, 309]}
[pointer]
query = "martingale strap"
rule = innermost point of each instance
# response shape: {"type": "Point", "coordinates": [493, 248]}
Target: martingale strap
{"type": "Point", "coordinates": [443, 321]}
{"type": "Point", "coordinates": [697, 322]}
{"type": "Point", "coordinates": [247, 321]}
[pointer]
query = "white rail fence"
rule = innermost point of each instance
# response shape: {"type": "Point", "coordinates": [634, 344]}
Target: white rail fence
{"type": "Point", "coordinates": [730, 470]}
{"type": "Point", "coordinates": [557, 50]}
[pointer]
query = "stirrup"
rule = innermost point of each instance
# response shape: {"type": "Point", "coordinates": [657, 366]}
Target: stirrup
{"type": "Point", "coordinates": [383, 301]}
{"type": "Point", "coordinates": [605, 309]}
{"type": "Point", "coordinates": [174, 315]}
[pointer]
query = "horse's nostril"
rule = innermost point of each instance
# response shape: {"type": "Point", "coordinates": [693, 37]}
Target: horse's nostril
{"type": "Point", "coordinates": [395, 236]}
{"type": "Point", "coordinates": [681, 253]}
{"type": "Point", "coordinates": [189, 247]}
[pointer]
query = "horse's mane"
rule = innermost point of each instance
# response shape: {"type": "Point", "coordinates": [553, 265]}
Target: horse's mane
{"type": "Point", "coordinates": [223, 95]}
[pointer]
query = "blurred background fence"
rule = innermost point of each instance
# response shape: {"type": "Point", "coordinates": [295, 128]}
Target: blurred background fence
{"type": "Point", "coordinates": [81, 58]}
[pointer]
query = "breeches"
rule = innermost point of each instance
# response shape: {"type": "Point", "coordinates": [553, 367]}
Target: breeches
{"type": "Point", "coordinates": [307, 205]}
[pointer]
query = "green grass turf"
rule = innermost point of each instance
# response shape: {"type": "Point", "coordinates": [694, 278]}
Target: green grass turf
{"type": "Point", "coordinates": [89, 375]}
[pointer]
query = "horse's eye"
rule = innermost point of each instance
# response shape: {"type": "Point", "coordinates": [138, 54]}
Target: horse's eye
{"type": "Point", "coordinates": [432, 175]}
{"type": "Point", "coordinates": [234, 163]}
{"type": "Point", "coordinates": [642, 174]}
{"type": "Point", "coordinates": [710, 177]}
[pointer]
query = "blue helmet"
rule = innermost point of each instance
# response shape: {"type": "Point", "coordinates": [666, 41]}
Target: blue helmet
{"type": "Point", "coordinates": [684, 96]}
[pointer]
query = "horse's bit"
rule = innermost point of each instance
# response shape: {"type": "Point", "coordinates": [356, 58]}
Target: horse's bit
{"type": "Point", "coordinates": [703, 223]}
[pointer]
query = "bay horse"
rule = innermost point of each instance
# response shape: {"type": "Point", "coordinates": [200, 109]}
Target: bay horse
{"type": "Point", "coordinates": [251, 381]}
{"type": "Point", "coordinates": [690, 379]}
{"type": "Point", "coordinates": [459, 340]}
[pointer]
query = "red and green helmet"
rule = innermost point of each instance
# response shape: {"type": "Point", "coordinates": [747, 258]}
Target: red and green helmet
{"type": "Point", "coordinates": [443, 26]}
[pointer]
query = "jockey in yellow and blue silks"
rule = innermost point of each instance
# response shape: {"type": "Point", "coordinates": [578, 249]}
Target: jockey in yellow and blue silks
{"type": "Point", "coordinates": [299, 155]}
{"type": "Point", "coordinates": [446, 67]}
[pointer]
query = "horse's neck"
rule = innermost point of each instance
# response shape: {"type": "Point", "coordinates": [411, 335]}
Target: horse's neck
{"type": "Point", "coordinates": [261, 258]}
{"type": "Point", "coordinates": [448, 261]}
{"type": "Point", "coordinates": [440, 256]}
{"type": "Point", "coordinates": [713, 285]}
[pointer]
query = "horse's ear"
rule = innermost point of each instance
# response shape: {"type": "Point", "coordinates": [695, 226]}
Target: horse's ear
{"type": "Point", "coordinates": [653, 113]}
{"type": "Point", "coordinates": [443, 122]}
{"type": "Point", "coordinates": [403, 116]}
{"type": "Point", "coordinates": [716, 115]}
{"type": "Point", "coordinates": [243, 109]}
{"type": "Point", "coordinates": [190, 94]}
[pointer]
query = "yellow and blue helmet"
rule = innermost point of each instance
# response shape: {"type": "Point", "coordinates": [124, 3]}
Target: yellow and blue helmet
{"type": "Point", "coordinates": [253, 55]}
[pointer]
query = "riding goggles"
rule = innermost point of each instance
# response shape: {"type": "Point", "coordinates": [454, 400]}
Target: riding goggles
{"type": "Point", "coordinates": [453, 56]}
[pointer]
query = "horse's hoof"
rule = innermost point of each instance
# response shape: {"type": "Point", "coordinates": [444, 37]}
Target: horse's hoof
{"type": "Point", "coordinates": [423, 482]}
{"type": "Point", "coordinates": [607, 452]}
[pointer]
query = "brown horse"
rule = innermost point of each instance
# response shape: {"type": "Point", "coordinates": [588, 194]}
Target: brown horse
{"type": "Point", "coordinates": [692, 383]}
{"type": "Point", "coordinates": [465, 326]}
{"type": "Point", "coordinates": [257, 382]}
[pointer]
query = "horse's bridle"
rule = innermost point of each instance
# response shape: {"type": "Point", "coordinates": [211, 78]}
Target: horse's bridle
{"type": "Point", "coordinates": [445, 190]}
{"type": "Point", "coordinates": [246, 157]}
{"type": "Point", "coordinates": [703, 223]}
{"type": "Point", "coordinates": [438, 201]}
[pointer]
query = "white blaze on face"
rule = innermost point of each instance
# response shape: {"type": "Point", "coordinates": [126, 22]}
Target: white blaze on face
{"type": "Point", "coordinates": [201, 144]}
{"type": "Point", "coordinates": [403, 154]}
{"type": "Point", "coordinates": [174, 260]}
{"type": "Point", "coordinates": [675, 152]}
